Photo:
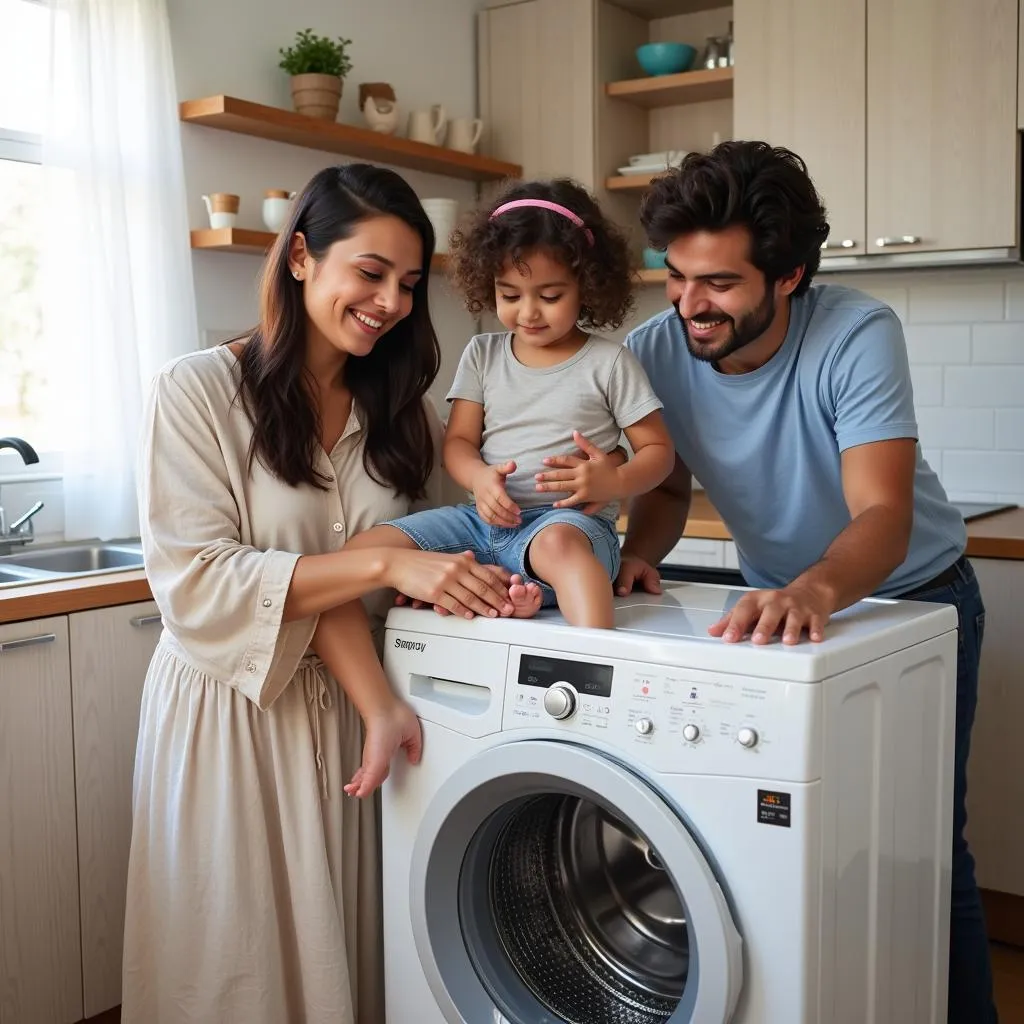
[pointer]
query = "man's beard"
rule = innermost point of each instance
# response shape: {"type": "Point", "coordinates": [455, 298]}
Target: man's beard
{"type": "Point", "coordinates": [742, 333]}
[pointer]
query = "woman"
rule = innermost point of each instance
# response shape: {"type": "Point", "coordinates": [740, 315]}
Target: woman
{"type": "Point", "coordinates": [253, 879]}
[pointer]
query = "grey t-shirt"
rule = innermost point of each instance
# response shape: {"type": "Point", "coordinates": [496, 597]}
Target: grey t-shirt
{"type": "Point", "coordinates": [531, 412]}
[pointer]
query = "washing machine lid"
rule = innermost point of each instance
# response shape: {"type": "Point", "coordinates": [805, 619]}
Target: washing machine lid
{"type": "Point", "coordinates": [671, 629]}
{"type": "Point", "coordinates": [468, 973]}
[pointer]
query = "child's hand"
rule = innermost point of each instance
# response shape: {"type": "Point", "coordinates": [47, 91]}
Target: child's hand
{"type": "Point", "coordinates": [492, 501]}
{"type": "Point", "coordinates": [386, 731]}
{"type": "Point", "coordinates": [590, 480]}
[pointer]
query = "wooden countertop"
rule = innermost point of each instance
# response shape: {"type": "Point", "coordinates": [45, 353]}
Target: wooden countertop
{"type": "Point", "coordinates": [998, 536]}
{"type": "Point", "coordinates": [78, 594]}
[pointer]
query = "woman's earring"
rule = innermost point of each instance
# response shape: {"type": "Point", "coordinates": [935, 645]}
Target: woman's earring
{"type": "Point", "coordinates": [295, 274]}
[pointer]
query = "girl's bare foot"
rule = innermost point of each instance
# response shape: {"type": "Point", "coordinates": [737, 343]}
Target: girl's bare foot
{"type": "Point", "coordinates": [525, 598]}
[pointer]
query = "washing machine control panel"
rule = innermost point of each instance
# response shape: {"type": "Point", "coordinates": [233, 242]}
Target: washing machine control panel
{"type": "Point", "coordinates": [673, 719]}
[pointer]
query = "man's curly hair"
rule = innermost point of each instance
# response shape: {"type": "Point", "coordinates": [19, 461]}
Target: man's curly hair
{"type": "Point", "coordinates": [604, 270]}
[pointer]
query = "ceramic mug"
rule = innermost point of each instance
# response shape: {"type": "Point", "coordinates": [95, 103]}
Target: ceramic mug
{"type": "Point", "coordinates": [464, 133]}
{"type": "Point", "coordinates": [428, 125]}
{"type": "Point", "coordinates": [443, 214]}
{"type": "Point", "coordinates": [277, 203]}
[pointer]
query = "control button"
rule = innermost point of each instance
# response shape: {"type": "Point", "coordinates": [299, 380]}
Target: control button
{"type": "Point", "coordinates": [644, 726]}
{"type": "Point", "coordinates": [559, 701]}
{"type": "Point", "coordinates": [691, 732]}
{"type": "Point", "coordinates": [747, 737]}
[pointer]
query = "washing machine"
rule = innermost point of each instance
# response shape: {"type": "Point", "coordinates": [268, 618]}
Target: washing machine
{"type": "Point", "coordinates": [648, 826]}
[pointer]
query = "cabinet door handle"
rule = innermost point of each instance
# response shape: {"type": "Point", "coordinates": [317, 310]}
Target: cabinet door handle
{"type": "Point", "coordinates": [28, 641]}
{"type": "Point", "coordinates": [845, 243]}
{"type": "Point", "coordinates": [898, 240]}
{"type": "Point", "coordinates": [145, 620]}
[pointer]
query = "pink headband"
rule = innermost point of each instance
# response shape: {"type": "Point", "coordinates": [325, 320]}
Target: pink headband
{"type": "Point", "coordinates": [543, 204]}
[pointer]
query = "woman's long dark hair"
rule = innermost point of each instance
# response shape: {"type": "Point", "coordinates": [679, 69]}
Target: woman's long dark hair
{"type": "Point", "coordinates": [387, 385]}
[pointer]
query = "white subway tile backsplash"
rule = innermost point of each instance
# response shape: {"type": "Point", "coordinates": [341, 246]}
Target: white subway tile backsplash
{"type": "Point", "coordinates": [938, 344]}
{"type": "Point", "coordinates": [1015, 300]}
{"type": "Point", "coordinates": [927, 382]}
{"type": "Point", "coordinates": [984, 387]}
{"type": "Point", "coordinates": [997, 343]}
{"type": "Point", "coordinates": [981, 471]}
{"type": "Point", "coordinates": [971, 300]}
{"type": "Point", "coordinates": [1010, 429]}
{"type": "Point", "coordinates": [956, 428]}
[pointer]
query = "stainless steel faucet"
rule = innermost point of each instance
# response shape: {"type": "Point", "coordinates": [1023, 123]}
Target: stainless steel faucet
{"type": "Point", "coordinates": [20, 531]}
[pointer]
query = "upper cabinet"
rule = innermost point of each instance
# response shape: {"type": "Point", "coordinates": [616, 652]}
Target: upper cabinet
{"type": "Point", "coordinates": [905, 111]}
{"type": "Point", "coordinates": [536, 93]}
{"type": "Point", "coordinates": [942, 124]}
{"type": "Point", "coordinates": [800, 83]}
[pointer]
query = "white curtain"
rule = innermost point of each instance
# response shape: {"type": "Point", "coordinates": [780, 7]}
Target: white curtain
{"type": "Point", "coordinates": [117, 272]}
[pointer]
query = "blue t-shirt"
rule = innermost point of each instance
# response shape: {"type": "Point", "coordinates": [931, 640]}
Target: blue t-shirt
{"type": "Point", "coordinates": [766, 444]}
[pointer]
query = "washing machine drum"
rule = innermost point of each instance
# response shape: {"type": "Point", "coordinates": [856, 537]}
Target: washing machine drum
{"type": "Point", "coordinates": [586, 913]}
{"type": "Point", "coordinates": [551, 885]}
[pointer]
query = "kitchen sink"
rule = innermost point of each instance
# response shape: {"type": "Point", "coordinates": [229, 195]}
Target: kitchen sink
{"type": "Point", "coordinates": [31, 565]}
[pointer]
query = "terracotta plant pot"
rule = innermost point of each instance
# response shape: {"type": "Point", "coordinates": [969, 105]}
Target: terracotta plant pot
{"type": "Point", "coordinates": [317, 95]}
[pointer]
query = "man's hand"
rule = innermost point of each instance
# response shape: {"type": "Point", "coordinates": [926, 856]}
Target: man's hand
{"type": "Point", "coordinates": [635, 572]}
{"type": "Point", "coordinates": [590, 479]}
{"type": "Point", "coordinates": [763, 613]}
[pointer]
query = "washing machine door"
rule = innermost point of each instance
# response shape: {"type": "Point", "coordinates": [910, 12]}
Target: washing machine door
{"type": "Point", "coordinates": [552, 885]}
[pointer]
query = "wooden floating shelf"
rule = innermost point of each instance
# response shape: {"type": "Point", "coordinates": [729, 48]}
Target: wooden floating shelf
{"type": "Point", "coordinates": [256, 243]}
{"type": "Point", "coordinates": [672, 90]}
{"type": "Point", "coordinates": [234, 115]}
{"type": "Point", "coordinates": [653, 276]}
{"type": "Point", "coordinates": [629, 182]}
{"type": "Point", "coordinates": [233, 240]}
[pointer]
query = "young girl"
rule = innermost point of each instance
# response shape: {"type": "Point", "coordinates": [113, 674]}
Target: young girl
{"type": "Point", "coordinates": [553, 268]}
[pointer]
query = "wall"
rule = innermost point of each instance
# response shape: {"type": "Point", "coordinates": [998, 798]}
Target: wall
{"type": "Point", "coordinates": [965, 336]}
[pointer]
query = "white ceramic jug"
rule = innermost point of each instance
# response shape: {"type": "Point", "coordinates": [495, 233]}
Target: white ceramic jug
{"type": "Point", "coordinates": [464, 133]}
{"type": "Point", "coordinates": [428, 125]}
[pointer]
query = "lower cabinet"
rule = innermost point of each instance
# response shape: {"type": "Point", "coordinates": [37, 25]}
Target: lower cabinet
{"type": "Point", "coordinates": [110, 652]}
{"type": "Point", "coordinates": [40, 941]}
{"type": "Point", "coordinates": [70, 690]}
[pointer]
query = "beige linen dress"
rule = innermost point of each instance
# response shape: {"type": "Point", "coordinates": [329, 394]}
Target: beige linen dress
{"type": "Point", "coordinates": [253, 880]}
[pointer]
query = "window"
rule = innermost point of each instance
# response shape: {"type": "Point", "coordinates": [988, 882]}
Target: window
{"type": "Point", "coordinates": [28, 406]}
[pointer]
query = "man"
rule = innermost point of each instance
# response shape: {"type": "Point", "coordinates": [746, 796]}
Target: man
{"type": "Point", "coordinates": [793, 406]}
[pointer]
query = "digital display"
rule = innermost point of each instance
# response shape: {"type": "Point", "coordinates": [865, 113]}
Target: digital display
{"type": "Point", "coordinates": [588, 678]}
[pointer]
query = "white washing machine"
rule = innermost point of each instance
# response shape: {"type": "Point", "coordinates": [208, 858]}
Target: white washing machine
{"type": "Point", "coordinates": [646, 826]}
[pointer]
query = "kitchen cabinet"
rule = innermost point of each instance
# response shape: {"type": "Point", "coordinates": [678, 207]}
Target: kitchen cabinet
{"type": "Point", "coordinates": [916, 154]}
{"type": "Point", "coordinates": [40, 951]}
{"type": "Point", "coordinates": [110, 652]}
{"type": "Point", "coordinates": [995, 779]}
{"type": "Point", "coordinates": [942, 123]}
{"type": "Point", "coordinates": [536, 86]}
{"type": "Point", "coordinates": [811, 100]}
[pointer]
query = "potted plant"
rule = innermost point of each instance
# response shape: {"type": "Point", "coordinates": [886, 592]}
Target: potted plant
{"type": "Point", "coordinates": [318, 66]}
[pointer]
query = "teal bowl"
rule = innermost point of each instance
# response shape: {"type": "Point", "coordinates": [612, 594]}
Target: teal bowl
{"type": "Point", "coordinates": [665, 58]}
{"type": "Point", "coordinates": [654, 259]}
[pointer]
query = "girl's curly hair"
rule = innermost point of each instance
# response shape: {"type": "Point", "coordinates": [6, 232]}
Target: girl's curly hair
{"type": "Point", "coordinates": [604, 270]}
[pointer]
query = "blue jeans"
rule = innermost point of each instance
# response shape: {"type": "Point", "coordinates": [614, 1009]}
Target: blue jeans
{"type": "Point", "coordinates": [460, 528]}
{"type": "Point", "coordinates": [970, 971]}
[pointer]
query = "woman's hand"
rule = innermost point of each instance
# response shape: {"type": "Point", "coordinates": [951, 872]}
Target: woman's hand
{"type": "Point", "coordinates": [493, 504]}
{"type": "Point", "coordinates": [392, 728]}
{"type": "Point", "coordinates": [458, 584]}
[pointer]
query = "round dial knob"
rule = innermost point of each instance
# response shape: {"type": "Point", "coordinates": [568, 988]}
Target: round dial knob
{"type": "Point", "coordinates": [691, 732]}
{"type": "Point", "coordinates": [644, 726]}
{"type": "Point", "coordinates": [747, 737]}
{"type": "Point", "coordinates": [559, 701]}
